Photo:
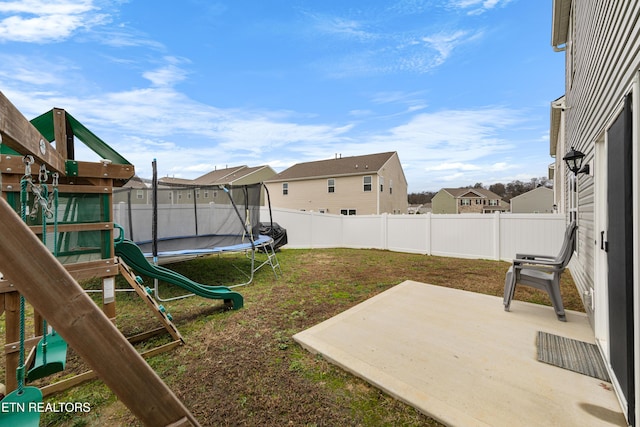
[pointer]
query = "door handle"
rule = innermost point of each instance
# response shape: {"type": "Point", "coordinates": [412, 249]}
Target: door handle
{"type": "Point", "coordinates": [604, 245]}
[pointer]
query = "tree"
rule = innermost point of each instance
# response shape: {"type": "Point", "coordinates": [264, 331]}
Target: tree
{"type": "Point", "coordinates": [498, 188]}
{"type": "Point", "coordinates": [420, 198]}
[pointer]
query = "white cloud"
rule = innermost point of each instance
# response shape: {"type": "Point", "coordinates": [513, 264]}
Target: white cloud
{"type": "Point", "coordinates": [47, 7]}
{"type": "Point", "coordinates": [20, 69]}
{"type": "Point", "coordinates": [444, 43]}
{"type": "Point", "coordinates": [477, 7]}
{"type": "Point", "coordinates": [167, 75]}
{"type": "Point", "coordinates": [453, 166]}
{"type": "Point", "coordinates": [189, 138]}
{"type": "Point", "coordinates": [342, 27]}
{"type": "Point", "coordinates": [503, 166]}
{"type": "Point", "coordinates": [37, 21]}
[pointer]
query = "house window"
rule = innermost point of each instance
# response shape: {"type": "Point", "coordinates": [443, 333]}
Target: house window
{"type": "Point", "coordinates": [478, 201]}
{"type": "Point", "coordinates": [285, 188]}
{"type": "Point", "coordinates": [206, 194]}
{"type": "Point", "coordinates": [197, 193]}
{"type": "Point", "coordinates": [139, 194]}
{"type": "Point", "coordinates": [493, 202]}
{"type": "Point", "coordinates": [348, 211]}
{"type": "Point", "coordinates": [390, 186]}
{"type": "Point", "coordinates": [331, 185]}
{"type": "Point", "coordinates": [465, 202]}
{"type": "Point", "coordinates": [366, 180]}
{"type": "Point", "coordinates": [381, 184]}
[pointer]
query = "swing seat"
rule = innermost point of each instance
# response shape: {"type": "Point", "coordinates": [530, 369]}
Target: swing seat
{"type": "Point", "coordinates": [55, 355]}
{"type": "Point", "coordinates": [20, 408]}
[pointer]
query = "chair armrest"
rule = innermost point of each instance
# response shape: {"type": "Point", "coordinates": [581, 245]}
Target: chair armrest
{"type": "Point", "coordinates": [530, 256]}
{"type": "Point", "coordinates": [537, 264]}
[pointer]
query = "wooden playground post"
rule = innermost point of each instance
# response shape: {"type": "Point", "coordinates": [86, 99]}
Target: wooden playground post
{"type": "Point", "coordinates": [52, 291]}
{"type": "Point", "coordinates": [12, 320]}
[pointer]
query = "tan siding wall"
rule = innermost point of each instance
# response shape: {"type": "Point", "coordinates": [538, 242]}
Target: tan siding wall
{"type": "Point", "coordinates": [396, 202]}
{"type": "Point", "coordinates": [604, 54]}
{"type": "Point", "coordinates": [443, 203]}
{"type": "Point", "coordinates": [312, 195]}
{"type": "Point", "coordinates": [536, 201]}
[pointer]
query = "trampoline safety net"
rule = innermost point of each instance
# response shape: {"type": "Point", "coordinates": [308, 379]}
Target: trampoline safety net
{"type": "Point", "coordinates": [189, 217]}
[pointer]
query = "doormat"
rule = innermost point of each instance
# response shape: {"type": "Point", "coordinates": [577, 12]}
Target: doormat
{"type": "Point", "coordinates": [567, 353]}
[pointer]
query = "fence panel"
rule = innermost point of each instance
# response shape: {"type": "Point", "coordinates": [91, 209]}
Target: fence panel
{"type": "Point", "coordinates": [531, 234]}
{"type": "Point", "coordinates": [488, 236]}
{"type": "Point", "coordinates": [463, 236]}
{"type": "Point", "coordinates": [408, 233]}
{"type": "Point", "coordinates": [365, 231]}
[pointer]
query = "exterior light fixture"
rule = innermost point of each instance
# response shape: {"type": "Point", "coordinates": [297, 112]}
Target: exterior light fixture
{"type": "Point", "coordinates": [574, 159]}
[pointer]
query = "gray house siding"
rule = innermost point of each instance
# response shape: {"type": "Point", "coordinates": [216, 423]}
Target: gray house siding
{"type": "Point", "coordinates": [602, 54]}
{"type": "Point", "coordinates": [592, 102]}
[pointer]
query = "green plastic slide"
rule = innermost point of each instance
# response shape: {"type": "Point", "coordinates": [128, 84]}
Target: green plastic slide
{"type": "Point", "coordinates": [134, 258]}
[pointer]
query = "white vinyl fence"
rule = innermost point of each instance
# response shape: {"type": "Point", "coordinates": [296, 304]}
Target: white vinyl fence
{"type": "Point", "coordinates": [481, 236]}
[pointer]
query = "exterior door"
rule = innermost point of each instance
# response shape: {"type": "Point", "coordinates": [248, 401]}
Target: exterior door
{"type": "Point", "coordinates": [619, 248]}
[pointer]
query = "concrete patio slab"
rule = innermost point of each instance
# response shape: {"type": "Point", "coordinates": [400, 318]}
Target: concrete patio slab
{"type": "Point", "coordinates": [458, 357]}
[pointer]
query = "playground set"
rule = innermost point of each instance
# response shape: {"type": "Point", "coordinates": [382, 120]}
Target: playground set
{"type": "Point", "coordinates": [57, 229]}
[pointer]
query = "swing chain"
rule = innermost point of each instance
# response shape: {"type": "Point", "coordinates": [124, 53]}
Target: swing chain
{"type": "Point", "coordinates": [54, 182]}
{"type": "Point", "coordinates": [41, 193]}
{"type": "Point", "coordinates": [28, 160]}
{"type": "Point", "coordinates": [43, 176]}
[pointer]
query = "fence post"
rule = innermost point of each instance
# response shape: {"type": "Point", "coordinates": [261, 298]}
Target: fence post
{"type": "Point", "coordinates": [496, 235]}
{"type": "Point", "coordinates": [312, 226]}
{"type": "Point", "coordinates": [428, 236]}
{"type": "Point", "coordinates": [385, 230]}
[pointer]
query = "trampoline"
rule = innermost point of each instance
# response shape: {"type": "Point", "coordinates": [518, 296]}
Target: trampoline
{"type": "Point", "coordinates": [170, 223]}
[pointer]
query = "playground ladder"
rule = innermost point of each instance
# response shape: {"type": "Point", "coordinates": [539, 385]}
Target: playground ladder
{"type": "Point", "coordinates": [147, 295]}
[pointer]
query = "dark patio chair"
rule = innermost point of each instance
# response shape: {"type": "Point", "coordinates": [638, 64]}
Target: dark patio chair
{"type": "Point", "coordinates": [542, 272]}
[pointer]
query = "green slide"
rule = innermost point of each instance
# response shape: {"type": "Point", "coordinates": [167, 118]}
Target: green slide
{"type": "Point", "coordinates": [134, 258]}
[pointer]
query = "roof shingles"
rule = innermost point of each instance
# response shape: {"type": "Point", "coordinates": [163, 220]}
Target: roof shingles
{"type": "Point", "coordinates": [339, 166]}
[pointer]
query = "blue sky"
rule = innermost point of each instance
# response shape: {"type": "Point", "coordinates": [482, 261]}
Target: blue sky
{"type": "Point", "coordinates": [461, 89]}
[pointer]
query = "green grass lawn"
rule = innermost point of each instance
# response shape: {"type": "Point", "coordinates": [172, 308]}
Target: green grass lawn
{"type": "Point", "coordinates": [242, 367]}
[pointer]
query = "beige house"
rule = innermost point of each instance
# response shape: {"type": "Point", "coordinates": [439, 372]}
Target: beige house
{"type": "Point", "coordinates": [237, 175]}
{"type": "Point", "coordinates": [598, 116]}
{"type": "Point", "coordinates": [137, 189]}
{"type": "Point", "coordinates": [538, 200]}
{"type": "Point", "coordinates": [467, 200]}
{"type": "Point", "coordinates": [357, 185]}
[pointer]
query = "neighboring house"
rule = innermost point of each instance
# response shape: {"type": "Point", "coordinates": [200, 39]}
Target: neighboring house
{"type": "Point", "coordinates": [240, 175]}
{"type": "Point", "coordinates": [467, 200]}
{"type": "Point", "coordinates": [201, 189]}
{"type": "Point", "coordinates": [538, 200]}
{"type": "Point", "coordinates": [357, 185]}
{"type": "Point", "coordinates": [237, 175]}
{"type": "Point", "coordinates": [598, 116]}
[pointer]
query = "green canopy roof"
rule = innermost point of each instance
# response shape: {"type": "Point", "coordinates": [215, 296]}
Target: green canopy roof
{"type": "Point", "coordinates": [44, 124]}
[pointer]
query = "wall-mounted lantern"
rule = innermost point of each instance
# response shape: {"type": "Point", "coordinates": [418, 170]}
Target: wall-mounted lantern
{"type": "Point", "coordinates": [574, 160]}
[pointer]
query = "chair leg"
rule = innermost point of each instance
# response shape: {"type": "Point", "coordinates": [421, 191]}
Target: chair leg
{"type": "Point", "coordinates": [509, 288]}
{"type": "Point", "coordinates": [556, 299]}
